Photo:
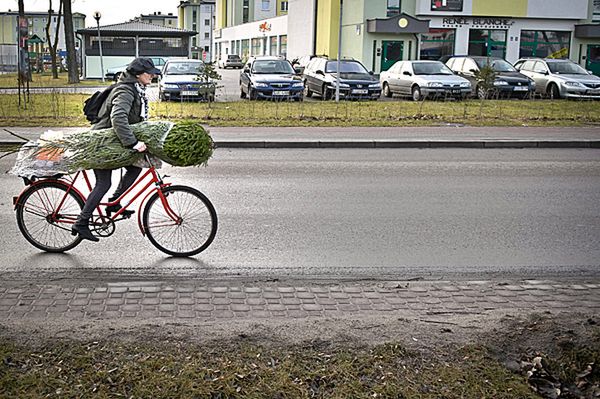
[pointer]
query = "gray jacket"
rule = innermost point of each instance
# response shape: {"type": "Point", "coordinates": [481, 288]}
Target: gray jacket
{"type": "Point", "coordinates": [122, 108]}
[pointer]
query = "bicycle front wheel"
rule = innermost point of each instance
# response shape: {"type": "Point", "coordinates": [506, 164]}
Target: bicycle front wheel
{"type": "Point", "coordinates": [184, 225]}
{"type": "Point", "coordinates": [45, 216]}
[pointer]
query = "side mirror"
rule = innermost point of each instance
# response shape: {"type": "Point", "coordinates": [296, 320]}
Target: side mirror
{"type": "Point", "coordinates": [298, 70]}
{"type": "Point", "coordinates": [406, 73]}
{"type": "Point", "coordinates": [246, 69]}
{"type": "Point", "coordinates": [371, 72]}
{"type": "Point", "coordinates": [473, 71]}
{"type": "Point", "coordinates": [319, 72]}
{"type": "Point", "coordinates": [590, 72]}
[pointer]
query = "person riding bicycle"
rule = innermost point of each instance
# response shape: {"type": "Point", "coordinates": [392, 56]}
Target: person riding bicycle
{"type": "Point", "coordinates": [126, 104]}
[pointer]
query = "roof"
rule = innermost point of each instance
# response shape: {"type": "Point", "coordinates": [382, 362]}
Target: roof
{"type": "Point", "coordinates": [137, 27]}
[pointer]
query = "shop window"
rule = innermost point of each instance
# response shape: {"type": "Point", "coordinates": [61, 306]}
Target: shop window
{"type": "Point", "coordinates": [544, 44]}
{"type": "Point", "coordinates": [394, 7]}
{"type": "Point", "coordinates": [283, 45]}
{"type": "Point", "coordinates": [487, 42]}
{"type": "Point", "coordinates": [255, 46]}
{"type": "Point", "coordinates": [437, 43]}
{"type": "Point", "coordinates": [273, 45]}
{"type": "Point", "coordinates": [245, 48]}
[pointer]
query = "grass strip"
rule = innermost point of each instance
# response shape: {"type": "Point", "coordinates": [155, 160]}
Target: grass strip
{"type": "Point", "coordinates": [176, 370]}
{"type": "Point", "coordinates": [59, 109]}
{"type": "Point", "coordinates": [45, 79]}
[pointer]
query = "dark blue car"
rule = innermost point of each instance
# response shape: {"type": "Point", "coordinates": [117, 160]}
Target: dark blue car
{"type": "Point", "coordinates": [270, 77]}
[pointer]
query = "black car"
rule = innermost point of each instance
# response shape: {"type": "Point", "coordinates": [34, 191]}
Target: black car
{"type": "Point", "coordinates": [356, 82]}
{"type": "Point", "coordinates": [270, 77]}
{"type": "Point", "coordinates": [508, 83]}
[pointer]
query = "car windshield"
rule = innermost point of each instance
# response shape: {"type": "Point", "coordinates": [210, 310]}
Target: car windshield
{"type": "Point", "coordinates": [345, 67]}
{"type": "Point", "coordinates": [497, 65]}
{"type": "Point", "coordinates": [431, 68]}
{"type": "Point", "coordinates": [566, 68]}
{"type": "Point", "coordinates": [185, 68]}
{"type": "Point", "coordinates": [272, 66]}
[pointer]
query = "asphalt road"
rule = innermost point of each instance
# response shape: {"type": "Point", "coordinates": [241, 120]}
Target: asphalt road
{"type": "Point", "coordinates": [359, 214]}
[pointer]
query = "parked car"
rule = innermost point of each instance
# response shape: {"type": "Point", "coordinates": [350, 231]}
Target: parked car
{"type": "Point", "coordinates": [114, 72]}
{"type": "Point", "coordinates": [181, 80]}
{"type": "Point", "coordinates": [422, 79]}
{"type": "Point", "coordinates": [270, 77]}
{"type": "Point", "coordinates": [230, 61]}
{"type": "Point", "coordinates": [560, 78]}
{"type": "Point", "coordinates": [356, 81]}
{"type": "Point", "coordinates": [508, 83]}
{"type": "Point", "coordinates": [300, 63]}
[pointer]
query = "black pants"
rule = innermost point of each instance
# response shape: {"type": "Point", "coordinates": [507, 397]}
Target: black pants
{"type": "Point", "coordinates": [103, 183]}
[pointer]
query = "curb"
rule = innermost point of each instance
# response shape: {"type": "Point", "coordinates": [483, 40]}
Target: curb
{"type": "Point", "coordinates": [398, 144]}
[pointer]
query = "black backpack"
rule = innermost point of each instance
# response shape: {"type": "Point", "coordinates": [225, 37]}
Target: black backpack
{"type": "Point", "coordinates": [91, 106]}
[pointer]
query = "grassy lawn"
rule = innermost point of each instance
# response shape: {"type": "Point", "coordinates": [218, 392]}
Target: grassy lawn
{"type": "Point", "coordinates": [53, 109]}
{"type": "Point", "coordinates": [108, 369]}
{"type": "Point", "coordinates": [45, 79]}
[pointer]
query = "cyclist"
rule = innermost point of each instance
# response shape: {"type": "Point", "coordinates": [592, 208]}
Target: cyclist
{"type": "Point", "coordinates": [126, 104]}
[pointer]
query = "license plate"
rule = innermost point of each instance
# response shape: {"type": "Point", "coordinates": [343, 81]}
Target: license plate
{"type": "Point", "coordinates": [521, 88]}
{"type": "Point", "coordinates": [455, 91]}
{"type": "Point", "coordinates": [360, 91]}
{"type": "Point", "coordinates": [281, 92]}
{"type": "Point", "coordinates": [189, 93]}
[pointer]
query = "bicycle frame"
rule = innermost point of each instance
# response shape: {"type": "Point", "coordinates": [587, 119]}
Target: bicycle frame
{"type": "Point", "coordinates": [155, 179]}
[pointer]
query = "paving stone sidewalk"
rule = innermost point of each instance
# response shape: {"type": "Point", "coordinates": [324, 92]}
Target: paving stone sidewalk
{"type": "Point", "coordinates": [234, 300]}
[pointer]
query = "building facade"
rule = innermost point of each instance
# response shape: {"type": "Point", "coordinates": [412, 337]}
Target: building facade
{"type": "Point", "coordinates": [251, 27]}
{"type": "Point", "coordinates": [36, 22]}
{"type": "Point", "coordinates": [158, 18]}
{"type": "Point", "coordinates": [381, 32]}
{"type": "Point", "coordinates": [199, 16]}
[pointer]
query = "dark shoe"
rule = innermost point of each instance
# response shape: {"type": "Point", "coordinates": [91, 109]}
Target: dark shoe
{"type": "Point", "coordinates": [84, 232]}
{"type": "Point", "coordinates": [115, 208]}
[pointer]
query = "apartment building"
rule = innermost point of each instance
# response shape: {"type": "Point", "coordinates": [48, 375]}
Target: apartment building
{"type": "Point", "coordinates": [199, 16]}
{"type": "Point", "coordinates": [158, 18]}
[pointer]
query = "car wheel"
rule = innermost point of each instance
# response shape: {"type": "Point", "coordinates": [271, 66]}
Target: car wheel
{"type": "Point", "coordinates": [416, 93]}
{"type": "Point", "coordinates": [386, 90]}
{"type": "Point", "coordinates": [307, 92]}
{"type": "Point", "coordinates": [553, 91]}
{"type": "Point", "coordinates": [326, 94]}
{"type": "Point", "coordinates": [252, 93]}
{"type": "Point", "coordinates": [242, 92]}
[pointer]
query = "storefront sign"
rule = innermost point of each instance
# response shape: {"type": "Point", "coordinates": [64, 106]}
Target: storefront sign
{"type": "Point", "coordinates": [487, 22]}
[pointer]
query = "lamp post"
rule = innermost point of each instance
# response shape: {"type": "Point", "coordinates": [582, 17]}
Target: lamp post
{"type": "Point", "coordinates": [97, 17]}
{"type": "Point", "coordinates": [339, 56]}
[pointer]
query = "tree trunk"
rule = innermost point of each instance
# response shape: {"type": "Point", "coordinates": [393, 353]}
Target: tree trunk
{"type": "Point", "coordinates": [72, 66]}
{"type": "Point", "coordinates": [53, 45]}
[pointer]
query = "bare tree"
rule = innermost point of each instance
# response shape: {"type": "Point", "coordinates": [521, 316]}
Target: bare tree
{"type": "Point", "coordinates": [73, 68]}
{"type": "Point", "coordinates": [53, 45]}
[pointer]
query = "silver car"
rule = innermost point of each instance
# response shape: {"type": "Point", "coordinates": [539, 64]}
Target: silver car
{"type": "Point", "coordinates": [421, 79]}
{"type": "Point", "coordinates": [560, 78]}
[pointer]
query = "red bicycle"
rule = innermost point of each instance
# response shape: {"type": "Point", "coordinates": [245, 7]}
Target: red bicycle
{"type": "Point", "coordinates": [178, 220]}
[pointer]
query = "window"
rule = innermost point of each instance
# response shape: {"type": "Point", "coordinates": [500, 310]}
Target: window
{"type": "Point", "coordinates": [446, 5]}
{"type": "Point", "coordinates": [544, 44]}
{"type": "Point", "coordinates": [207, 22]}
{"type": "Point", "coordinates": [284, 6]}
{"type": "Point", "coordinates": [194, 15]}
{"type": "Point", "coordinates": [194, 41]}
{"type": "Point", "coordinates": [273, 45]}
{"type": "Point", "coordinates": [394, 7]}
{"type": "Point", "coordinates": [206, 35]}
{"type": "Point", "coordinates": [245, 11]}
{"type": "Point", "coordinates": [265, 5]}
{"type": "Point", "coordinates": [437, 43]}
{"type": "Point", "coordinates": [487, 42]}
{"type": "Point", "coordinates": [283, 45]}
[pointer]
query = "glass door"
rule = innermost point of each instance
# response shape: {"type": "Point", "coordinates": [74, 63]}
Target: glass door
{"type": "Point", "coordinates": [592, 62]}
{"type": "Point", "coordinates": [392, 52]}
{"type": "Point", "coordinates": [487, 42]}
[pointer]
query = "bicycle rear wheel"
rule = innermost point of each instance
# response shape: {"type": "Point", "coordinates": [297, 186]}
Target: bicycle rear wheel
{"type": "Point", "coordinates": [193, 230]}
{"type": "Point", "coordinates": [41, 221]}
